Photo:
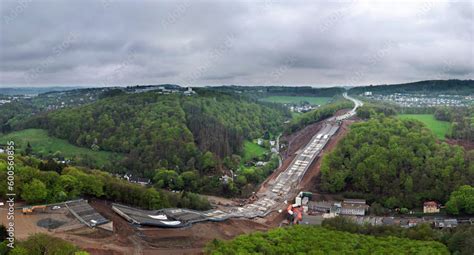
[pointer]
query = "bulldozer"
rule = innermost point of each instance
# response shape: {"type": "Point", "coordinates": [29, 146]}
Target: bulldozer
{"type": "Point", "coordinates": [32, 209]}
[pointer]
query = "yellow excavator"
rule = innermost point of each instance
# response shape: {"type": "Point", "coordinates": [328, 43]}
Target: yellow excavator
{"type": "Point", "coordinates": [32, 209]}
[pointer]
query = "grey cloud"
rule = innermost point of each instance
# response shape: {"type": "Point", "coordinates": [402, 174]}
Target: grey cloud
{"type": "Point", "coordinates": [240, 42]}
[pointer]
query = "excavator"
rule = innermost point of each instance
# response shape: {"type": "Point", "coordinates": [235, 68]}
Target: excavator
{"type": "Point", "coordinates": [295, 211]}
{"type": "Point", "coordinates": [32, 209]}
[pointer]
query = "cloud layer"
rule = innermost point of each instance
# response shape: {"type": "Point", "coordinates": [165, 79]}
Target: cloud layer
{"type": "Point", "coordinates": [113, 42]}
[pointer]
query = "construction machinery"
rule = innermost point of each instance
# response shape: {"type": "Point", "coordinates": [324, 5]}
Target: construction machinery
{"type": "Point", "coordinates": [302, 198]}
{"type": "Point", "coordinates": [32, 209]}
{"type": "Point", "coordinates": [295, 211]}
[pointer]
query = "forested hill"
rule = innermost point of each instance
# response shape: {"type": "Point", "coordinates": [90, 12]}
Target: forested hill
{"type": "Point", "coordinates": [264, 91]}
{"type": "Point", "coordinates": [398, 163]}
{"type": "Point", "coordinates": [169, 131]}
{"type": "Point", "coordinates": [459, 87]}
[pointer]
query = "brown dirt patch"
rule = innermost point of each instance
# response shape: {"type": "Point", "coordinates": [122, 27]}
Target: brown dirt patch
{"type": "Point", "coordinates": [467, 145]}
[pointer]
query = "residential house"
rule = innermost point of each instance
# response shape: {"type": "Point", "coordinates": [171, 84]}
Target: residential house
{"type": "Point", "coordinates": [354, 207]}
{"type": "Point", "coordinates": [347, 207]}
{"type": "Point", "coordinates": [445, 223]}
{"type": "Point", "coordinates": [138, 180]}
{"type": "Point", "coordinates": [189, 92]}
{"type": "Point", "coordinates": [225, 178]}
{"type": "Point", "coordinates": [320, 206]}
{"type": "Point", "coordinates": [430, 207]}
{"type": "Point", "coordinates": [408, 223]}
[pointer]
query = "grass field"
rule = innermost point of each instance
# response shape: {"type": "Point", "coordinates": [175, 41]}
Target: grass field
{"type": "Point", "coordinates": [440, 128]}
{"type": "Point", "coordinates": [252, 150]}
{"type": "Point", "coordinates": [297, 99]}
{"type": "Point", "coordinates": [44, 144]}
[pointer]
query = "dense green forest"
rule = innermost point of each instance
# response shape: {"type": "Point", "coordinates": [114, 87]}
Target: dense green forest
{"type": "Point", "coordinates": [165, 131]}
{"type": "Point", "coordinates": [457, 87]}
{"type": "Point", "coordinates": [398, 163]}
{"type": "Point", "coordinates": [461, 201]}
{"type": "Point", "coordinates": [46, 182]}
{"type": "Point", "coordinates": [459, 240]}
{"type": "Point", "coordinates": [372, 109]}
{"type": "Point", "coordinates": [319, 240]}
{"type": "Point", "coordinates": [13, 114]}
{"type": "Point", "coordinates": [39, 244]}
{"type": "Point", "coordinates": [319, 114]}
{"type": "Point", "coordinates": [462, 121]}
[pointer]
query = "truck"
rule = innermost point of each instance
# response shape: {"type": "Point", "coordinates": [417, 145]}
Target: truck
{"type": "Point", "coordinates": [302, 198]}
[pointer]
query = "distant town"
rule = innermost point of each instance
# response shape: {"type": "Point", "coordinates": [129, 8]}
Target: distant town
{"type": "Point", "coordinates": [422, 100]}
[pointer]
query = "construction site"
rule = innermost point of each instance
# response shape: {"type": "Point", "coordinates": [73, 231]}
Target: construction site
{"type": "Point", "coordinates": [103, 227]}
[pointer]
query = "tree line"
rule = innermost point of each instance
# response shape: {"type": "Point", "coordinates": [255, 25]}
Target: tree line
{"type": "Point", "coordinates": [318, 240]}
{"type": "Point", "coordinates": [462, 121]}
{"type": "Point", "coordinates": [37, 186]}
{"type": "Point", "coordinates": [38, 244]}
{"type": "Point", "coordinates": [459, 240]}
{"type": "Point", "coordinates": [318, 114]}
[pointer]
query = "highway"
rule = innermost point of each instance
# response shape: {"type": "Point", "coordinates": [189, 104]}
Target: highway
{"type": "Point", "coordinates": [279, 192]}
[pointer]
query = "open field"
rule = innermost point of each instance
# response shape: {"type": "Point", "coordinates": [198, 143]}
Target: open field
{"type": "Point", "coordinates": [42, 143]}
{"type": "Point", "coordinates": [252, 150]}
{"type": "Point", "coordinates": [440, 128]}
{"type": "Point", "coordinates": [297, 99]}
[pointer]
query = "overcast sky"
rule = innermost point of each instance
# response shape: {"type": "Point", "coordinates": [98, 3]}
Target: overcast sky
{"type": "Point", "coordinates": [259, 42]}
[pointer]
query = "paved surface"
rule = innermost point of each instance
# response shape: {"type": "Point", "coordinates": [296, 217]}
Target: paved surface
{"type": "Point", "coordinates": [85, 213]}
{"type": "Point", "coordinates": [279, 190]}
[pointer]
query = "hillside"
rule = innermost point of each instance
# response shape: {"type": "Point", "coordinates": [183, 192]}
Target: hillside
{"type": "Point", "coordinates": [398, 163]}
{"type": "Point", "coordinates": [318, 240]}
{"type": "Point", "coordinates": [164, 131]}
{"type": "Point", "coordinates": [458, 87]}
{"type": "Point", "coordinates": [266, 91]}
{"type": "Point", "coordinates": [43, 145]}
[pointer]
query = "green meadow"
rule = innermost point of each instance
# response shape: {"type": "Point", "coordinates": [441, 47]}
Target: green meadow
{"type": "Point", "coordinates": [43, 144]}
{"type": "Point", "coordinates": [440, 128]}
{"type": "Point", "coordinates": [252, 150]}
